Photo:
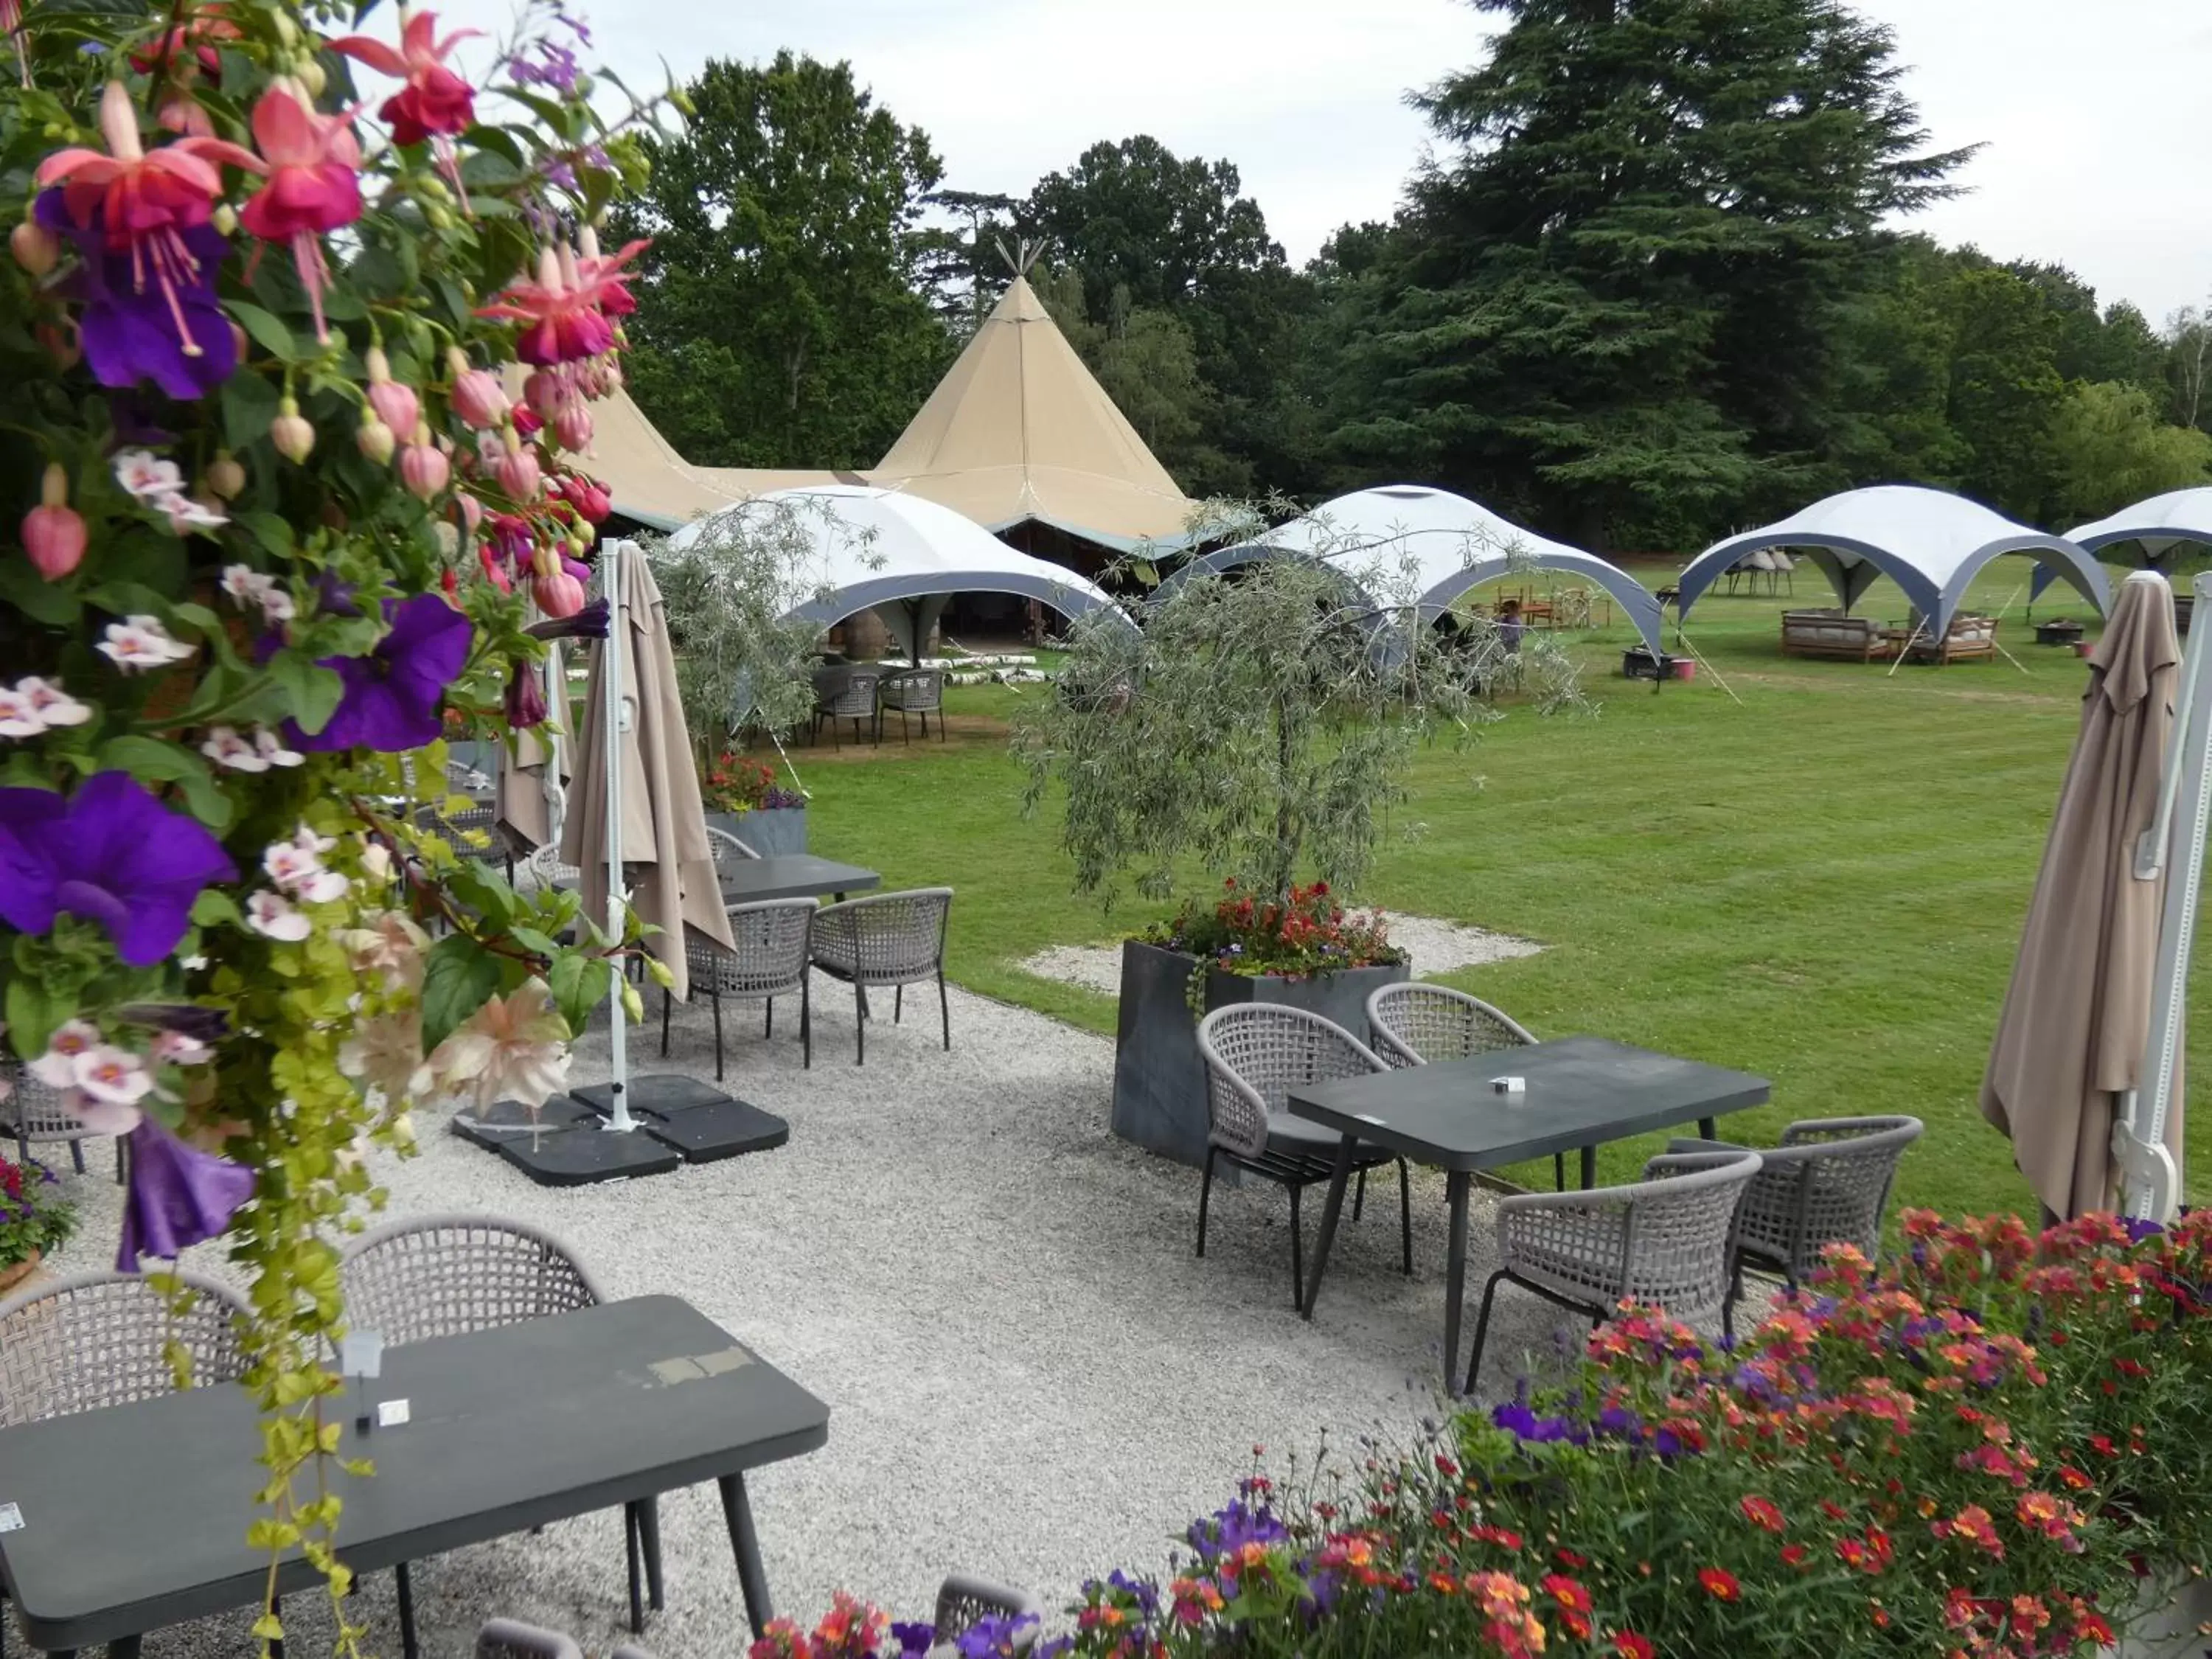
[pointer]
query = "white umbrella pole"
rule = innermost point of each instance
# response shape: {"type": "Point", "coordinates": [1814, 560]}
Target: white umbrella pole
{"type": "Point", "coordinates": [2174, 843]}
{"type": "Point", "coordinates": [614, 711]}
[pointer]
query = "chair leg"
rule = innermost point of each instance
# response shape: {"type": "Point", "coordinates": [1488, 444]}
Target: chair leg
{"type": "Point", "coordinates": [668, 1002]}
{"type": "Point", "coordinates": [1406, 1214]}
{"type": "Point", "coordinates": [1360, 1196]}
{"type": "Point", "coordinates": [122, 1161]}
{"type": "Point", "coordinates": [77, 1154]}
{"type": "Point", "coordinates": [806, 1020]}
{"type": "Point", "coordinates": [1204, 1194]}
{"type": "Point", "coordinates": [945, 1008]}
{"type": "Point", "coordinates": [768, 1025]}
{"type": "Point", "coordinates": [1559, 1172]}
{"type": "Point", "coordinates": [717, 999]}
{"type": "Point", "coordinates": [1482, 1329]}
{"type": "Point", "coordinates": [859, 1024]}
{"type": "Point", "coordinates": [898, 1002]}
{"type": "Point", "coordinates": [1297, 1253]}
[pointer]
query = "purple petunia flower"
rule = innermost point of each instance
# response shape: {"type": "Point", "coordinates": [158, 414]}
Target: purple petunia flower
{"type": "Point", "coordinates": [992, 1636]}
{"type": "Point", "coordinates": [179, 1196]}
{"type": "Point", "coordinates": [113, 854]}
{"type": "Point", "coordinates": [1229, 1528]}
{"type": "Point", "coordinates": [915, 1638]}
{"type": "Point", "coordinates": [132, 331]}
{"type": "Point", "coordinates": [589, 623]}
{"type": "Point", "coordinates": [392, 694]}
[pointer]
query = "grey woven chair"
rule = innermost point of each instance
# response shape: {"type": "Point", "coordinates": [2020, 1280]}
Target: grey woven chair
{"type": "Point", "coordinates": [99, 1339]}
{"type": "Point", "coordinates": [847, 694]}
{"type": "Point", "coordinates": [33, 1113]}
{"type": "Point", "coordinates": [886, 938]}
{"type": "Point", "coordinates": [963, 1602]}
{"type": "Point", "coordinates": [1828, 1182]}
{"type": "Point", "coordinates": [769, 962]}
{"type": "Point", "coordinates": [443, 1275]}
{"type": "Point", "coordinates": [726, 847]}
{"type": "Point", "coordinates": [1415, 1024]}
{"type": "Point", "coordinates": [464, 779]}
{"type": "Point", "coordinates": [916, 691]}
{"type": "Point", "coordinates": [1663, 1243]}
{"type": "Point", "coordinates": [1254, 1053]}
{"type": "Point", "coordinates": [510, 1639]}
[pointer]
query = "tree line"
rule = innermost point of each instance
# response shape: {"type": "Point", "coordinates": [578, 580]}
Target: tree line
{"type": "Point", "coordinates": [1656, 281]}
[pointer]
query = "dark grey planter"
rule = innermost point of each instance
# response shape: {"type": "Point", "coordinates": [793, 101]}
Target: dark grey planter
{"type": "Point", "coordinates": [770, 833]}
{"type": "Point", "coordinates": [1159, 1082]}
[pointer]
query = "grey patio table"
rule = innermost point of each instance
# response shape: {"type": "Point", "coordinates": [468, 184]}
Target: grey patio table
{"type": "Point", "coordinates": [791, 875]}
{"type": "Point", "coordinates": [123, 1520]}
{"type": "Point", "coordinates": [1581, 1091]}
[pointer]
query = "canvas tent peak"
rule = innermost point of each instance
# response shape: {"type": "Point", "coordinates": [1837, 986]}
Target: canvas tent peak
{"type": "Point", "coordinates": [1414, 544]}
{"type": "Point", "coordinates": [1932, 544]}
{"type": "Point", "coordinates": [852, 547]}
{"type": "Point", "coordinates": [2158, 525]}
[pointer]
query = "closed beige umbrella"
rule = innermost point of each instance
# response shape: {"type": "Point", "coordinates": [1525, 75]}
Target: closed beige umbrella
{"type": "Point", "coordinates": [664, 827]}
{"type": "Point", "coordinates": [522, 807]}
{"type": "Point", "coordinates": [2077, 1013]}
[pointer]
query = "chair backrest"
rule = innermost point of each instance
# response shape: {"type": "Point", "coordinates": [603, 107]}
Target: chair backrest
{"type": "Point", "coordinates": [853, 697]}
{"type": "Point", "coordinates": [1680, 1218]}
{"type": "Point", "coordinates": [911, 689]}
{"type": "Point", "coordinates": [963, 1602]}
{"type": "Point", "coordinates": [1414, 1023]}
{"type": "Point", "coordinates": [35, 1109]}
{"type": "Point", "coordinates": [726, 847]}
{"type": "Point", "coordinates": [771, 937]}
{"type": "Point", "coordinates": [101, 1339]}
{"type": "Point", "coordinates": [889, 938]}
{"type": "Point", "coordinates": [510, 1639]}
{"type": "Point", "coordinates": [1828, 1182]}
{"type": "Point", "coordinates": [1256, 1052]}
{"type": "Point", "coordinates": [441, 1275]}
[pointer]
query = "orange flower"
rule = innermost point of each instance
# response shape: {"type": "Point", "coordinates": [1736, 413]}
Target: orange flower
{"type": "Point", "coordinates": [1720, 1583]}
{"type": "Point", "coordinates": [1762, 1512]}
{"type": "Point", "coordinates": [1628, 1645]}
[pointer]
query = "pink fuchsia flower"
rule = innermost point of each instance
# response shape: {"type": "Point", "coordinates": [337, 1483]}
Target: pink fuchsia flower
{"type": "Point", "coordinates": [562, 322]}
{"type": "Point", "coordinates": [435, 100]}
{"type": "Point", "coordinates": [478, 397]}
{"type": "Point", "coordinates": [53, 531]}
{"type": "Point", "coordinates": [603, 275]}
{"type": "Point", "coordinates": [517, 472]}
{"type": "Point", "coordinates": [572, 427]}
{"type": "Point", "coordinates": [312, 163]}
{"type": "Point", "coordinates": [140, 643]}
{"type": "Point", "coordinates": [558, 595]}
{"type": "Point", "coordinates": [514, 1047]}
{"type": "Point", "coordinates": [423, 468]}
{"type": "Point", "coordinates": [142, 200]}
{"type": "Point", "coordinates": [191, 42]}
{"type": "Point", "coordinates": [395, 404]}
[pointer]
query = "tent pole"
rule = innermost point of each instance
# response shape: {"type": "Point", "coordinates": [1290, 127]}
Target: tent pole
{"type": "Point", "coordinates": [610, 663]}
{"type": "Point", "coordinates": [2174, 843]}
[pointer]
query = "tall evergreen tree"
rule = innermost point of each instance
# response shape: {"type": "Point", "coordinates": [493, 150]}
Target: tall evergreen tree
{"type": "Point", "coordinates": [1613, 299]}
{"type": "Point", "coordinates": [782, 322]}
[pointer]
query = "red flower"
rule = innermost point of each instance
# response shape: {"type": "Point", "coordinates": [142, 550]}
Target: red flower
{"type": "Point", "coordinates": [1628, 1645]}
{"type": "Point", "coordinates": [1567, 1593]}
{"type": "Point", "coordinates": [1762, 1512]}
{"type": "Point", "coordinates": [435, 98]}
{"type": "Point", "coordinates": [1720, 1583]}
{"type": "Point", "coordinates": [1793, 1555]}
{"type": "Point", "coordinates": [1569, 1558]}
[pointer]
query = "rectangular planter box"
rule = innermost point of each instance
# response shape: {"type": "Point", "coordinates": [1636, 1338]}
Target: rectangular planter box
{"type": "Point", "coordinates": [770, 833]}
{"type": "Point", "coordinates": [1160, 1081]}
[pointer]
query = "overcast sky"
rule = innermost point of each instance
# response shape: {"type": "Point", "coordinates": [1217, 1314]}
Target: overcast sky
{"type": "Point", "coordinates": [2093, 111]}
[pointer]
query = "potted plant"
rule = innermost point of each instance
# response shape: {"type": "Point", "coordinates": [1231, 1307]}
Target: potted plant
{"type": "Point", "coordinates": [35, 1218]}
{"type": "Point", "coordinates": [1257, 727]}
{"type": "Point", "coordinates": [743, 797]}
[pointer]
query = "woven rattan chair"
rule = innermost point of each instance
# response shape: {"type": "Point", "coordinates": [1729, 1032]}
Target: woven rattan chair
{"type": "Point", "coordinates": [769, 962]}
{"type": "Point", "coordinates": [1256, 1052]}
{"type": "Point", "coordinates": [33, 1113]}
{"type": "Point", "coordinates": [963, 1602]}
{"type": "Point", "coordinates": [1663, 1243]}
{"type": "Point", "coordinates": [444, 1275]}
{"type": "Point", "coordinates": [847, 694]}
{"type": "Point", "coordinates": [728, 848]}
{"type": "Point", "coordinates": [1415, 1024]}
{"type": "Point", "coordinates": [918, 691]}
{"type": "Point", "coordinates": [509, 1638]}
{"type": "Point", "coordinates": [100, 1340]}
{"type": "Point", "coordinates": [1827, 1183]}
{"type": "Point", "coordinates": [886, 938]}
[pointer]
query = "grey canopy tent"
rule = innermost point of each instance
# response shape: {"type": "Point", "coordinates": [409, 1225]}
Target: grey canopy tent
{"type": "Point", "coordinates": [1433, 545]}
{"type": "Point", "coordinates": [1930, 542]}
{"type": "Point", "coordinates": [2157, 526]}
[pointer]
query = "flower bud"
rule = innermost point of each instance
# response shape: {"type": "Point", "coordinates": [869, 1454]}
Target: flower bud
{"type": "Point", "coordinates": [525, 697]}
{"type": "Point", "coordinates": [478, 397]}
{"type": "Point", "coordinates": [573, 425]}
{"type": "Point", "coordinates": [224, 218]}
{"type": "Point", "coordinates": [54, 534]}
{"type": "Point", "coordinates": [545, 392]}
{"type": "Point", "coordinates": [423, 468]}
{"type": "Point", "coordinates": [224, 474]}
{"type": "Point", "coordinates": [517, 472]}
{"type": "Point", "coordinates": [558, 595]}
{"type": "Point", "coordinates": [471, 514]}
{"type": "Point", "coordinates": [37, 249]}
{"type": "Point", "coordinates": [292, 433]}
{"type": "Point", "coordinates": [437, 217]}
{"type": "Point", "coordinates": [312, 76]}
{"type": "Point", "coordinates": [396, 404]}
{"type": "Point", "coordinates": [375, 439]}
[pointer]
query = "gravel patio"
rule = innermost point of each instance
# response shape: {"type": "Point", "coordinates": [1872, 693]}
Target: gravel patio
{"type": "Point", "coordinates": [1032, 1378]}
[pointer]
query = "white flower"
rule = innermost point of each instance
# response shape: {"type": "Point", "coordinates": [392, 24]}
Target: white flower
{"type": "Point", "coordinates": [513, 1047]}
{"type": "Point", "coordinates": [56, 1067]}
{"type": "Point", "coordinates": [53, 705]}
{"type": "Point", "coordinates": [272, 749]}
{"type": "Point", "coordinates": [376, 862]}
{"type": "Point", "coordinates": [272, 915]}
{"type": "Point", "coordinates": [179, 1049]}
{"type": "Point", "coordinates": [226, 748]}
{"type": "Point", "coordinates": [385, 1054]}
{"type": "Point", "coordinates": [141, 643]}
{"type": "Point", "coordinates": [390, 946]}
{"type": "Point", "coordinates": [187, 514]}
{"type": "Point", "coordinates": [110, 1082]}
{"type": "Point", "coordinates": [243, 583]}
{"type": "Point", "coordinates": [276, 604]}
{"type": "Point", "coordinates": [146, 476]}
{"type": "Point", "coordinates": [19, 717]}
{"type": "Point", "coordinates": [191, 964]}
{"type": "Point", "coordinates": [297, 866]}
{"type": "Point", "coordinates": [311, 843]}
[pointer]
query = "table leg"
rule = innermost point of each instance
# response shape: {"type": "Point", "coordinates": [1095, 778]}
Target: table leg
{"type": "Point", "coordinates": [1589, 1167]}
{"type": "Point", "coordinates": [409, 1646]}
{"type": "Point", "coordinates": [630, 1551]}
{"type": "Point", "coordinates": [752, 1577]}
{"type": "Point", "coordinates": [1340, 1177]}
{"type": "Point", "coordinates": [1708, 1129]}
{"type": "Point", "coordinates": [123, 1646]}
{"type": "Point", "coordinates": [648, 1528]}
{"type": "Point", "coordinates": [1455, 1186]}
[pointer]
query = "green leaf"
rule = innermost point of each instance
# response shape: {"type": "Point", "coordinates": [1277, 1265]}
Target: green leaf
{"type": "Point", "coordinates": [249, 404]}
{"type": "Point", "coordinates": [459, 976]}
{"type": "Point", "coordinates": [530, 939]}
{"type": "Point", "coordinates": [490, 899]}
{"type": "Point", "coordinates": [33, 1012]}
{"type": "Point", "coordinates": [270, 530]}
{"type": "Point", "coordinates": [312, 690]}
{"type": "Point", "coordinates": [43, 601]}
{"type": "Point", "coordinates": [269, 330]}
{"type": "Point", "coordinates": [150, 758]}
{"type": "Point", "coordinates": [579, 984]}
{"type": "Point", "coordinates": [213, 908]}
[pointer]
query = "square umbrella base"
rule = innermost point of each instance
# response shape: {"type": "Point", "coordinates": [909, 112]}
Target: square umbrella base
{"type": "Point", "coordinates": [566, 1146]}
{"type": "Point", "coordinates": [697, 1119]}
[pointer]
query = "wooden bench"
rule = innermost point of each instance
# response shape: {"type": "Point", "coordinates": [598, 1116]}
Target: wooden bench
{"type": "Point", "coordinates": [1969, 638]}
{"type": "Point", "coordinates": [1832, 634]}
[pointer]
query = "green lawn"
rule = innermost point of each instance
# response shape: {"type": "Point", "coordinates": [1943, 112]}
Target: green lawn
{"type": "Point", "coordinates": [1823, 884]}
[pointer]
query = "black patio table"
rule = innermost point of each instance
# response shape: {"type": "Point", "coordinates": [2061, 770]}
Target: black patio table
{"type": "Point", "coordinates": [791, 875]}
{"type": "Point", "coordinates": [130, 1518]}
{"type": "Point", "coordinates": [1580, 1090]}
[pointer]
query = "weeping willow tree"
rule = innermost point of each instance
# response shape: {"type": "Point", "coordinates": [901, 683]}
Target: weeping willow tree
{"type": "Point", "coordinates": [1261, 724]}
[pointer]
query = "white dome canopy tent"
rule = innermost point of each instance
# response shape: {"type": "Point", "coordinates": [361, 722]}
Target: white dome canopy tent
{"type": "Point", "coordinates": [2158, 525]}
{"type": "Point", "coordinates": [1930, 542]}
{"type": "Point", "coordinates": [1436, 544]}
{"type": "Point", "coordinates": [859, 548]}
